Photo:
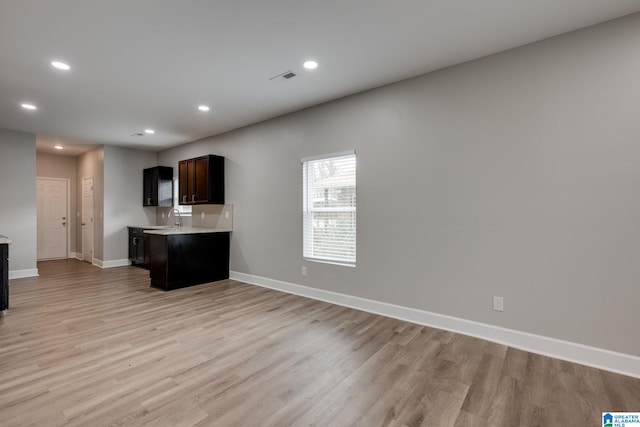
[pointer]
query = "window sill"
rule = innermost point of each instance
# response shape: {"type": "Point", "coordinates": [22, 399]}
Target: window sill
{"type": "Point", "coordinates": [328, 261]}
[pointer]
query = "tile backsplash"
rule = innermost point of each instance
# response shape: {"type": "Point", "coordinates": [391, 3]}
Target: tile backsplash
{"type": "Point", "coordinates": [207, 216]}
{"type": "Point", "coordinates": [212, 216]}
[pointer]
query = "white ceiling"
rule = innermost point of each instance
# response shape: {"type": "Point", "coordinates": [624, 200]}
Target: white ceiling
{"type": "Point", "coordinates": [140, 64]}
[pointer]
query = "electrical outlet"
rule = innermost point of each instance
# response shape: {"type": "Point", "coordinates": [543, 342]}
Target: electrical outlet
{"type": "Point", "coordinates": [202, 215]}
{"type": "Point", "coordinates": [304, 271]}
{"type": "Point", "coordinates": [226, 214]}
{"type": "Point", "coordinates": [163, 215]}
{"type": "Point", "coordinates": [498, 303]}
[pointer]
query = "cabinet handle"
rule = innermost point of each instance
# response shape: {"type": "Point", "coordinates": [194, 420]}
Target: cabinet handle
{"type": "Point", "coordinates": [148, 200]}
{"type": "Point", "coordinates": [64, 223]}
{"type": "Point", "coordinates": [184, 199]}
{"type": "Point", "coordinates": [135, 240]}
{"type": "Point", "coordinates": [193, 197]}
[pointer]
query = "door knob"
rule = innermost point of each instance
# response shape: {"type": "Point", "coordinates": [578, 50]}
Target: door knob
{"type": "Point", "coordinates": [82, 223]}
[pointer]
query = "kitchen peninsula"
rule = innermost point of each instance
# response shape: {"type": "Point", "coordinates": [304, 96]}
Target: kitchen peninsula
{"type": "Point", "coordinates": [187, 256]}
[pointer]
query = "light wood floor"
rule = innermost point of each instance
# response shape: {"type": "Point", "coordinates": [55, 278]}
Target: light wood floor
{"type": "Point", "coordinates": [82, 346]}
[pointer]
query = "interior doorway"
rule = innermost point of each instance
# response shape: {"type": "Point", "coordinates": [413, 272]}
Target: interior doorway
{"type": "Point", "coordinates": [52, 210]}
{"type": "Point", "coordinates": [87, 219]}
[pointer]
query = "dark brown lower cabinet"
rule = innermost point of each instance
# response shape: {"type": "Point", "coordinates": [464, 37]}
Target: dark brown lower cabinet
{"type": "Point", "coordinates": [138, 247]}
{"type": "Point", "coordinates": [181, 260]}
{"type": "Point", "coordinates": [4, 276]}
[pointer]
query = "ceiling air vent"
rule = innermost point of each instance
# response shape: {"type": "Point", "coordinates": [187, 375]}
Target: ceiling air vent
{"type": "Point", "coordinates": [283, 77]}
{"type": "Point", "coordinates": [137, 134]}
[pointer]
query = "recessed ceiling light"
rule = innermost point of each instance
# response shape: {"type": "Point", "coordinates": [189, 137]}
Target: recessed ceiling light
{"type": "Point", "coordinates": [310, 65]}
{"type": "Point", "coordinates": [29, 106]}
{"type": "Point", "coordinates": [203, 108]}
{"type": "Point", "coordinates": [149, 131]}
{"type": "Point", "coordinates": [60, 65]}
{"type": "Point", "coordinates": [58, 146]}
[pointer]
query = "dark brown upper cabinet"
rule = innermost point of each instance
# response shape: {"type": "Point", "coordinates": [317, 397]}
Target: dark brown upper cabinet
{"type": "Point", "coordinates": [158, 186]}
{"type": "Point", "coordinates": [201, 180]}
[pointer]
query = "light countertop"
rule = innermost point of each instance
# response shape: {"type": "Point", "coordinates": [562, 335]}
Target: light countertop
{"type": "Point", "coordinates": [4, 240]}
{"type": "Point", "coordinates": [152, 227]}
{"type": "Point", "coordinates": [185, 230]}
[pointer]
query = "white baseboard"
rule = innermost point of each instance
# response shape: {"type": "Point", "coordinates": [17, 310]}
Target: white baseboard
{"type": "Point", "coordinates": [112, 263]}
{"type": "Point", "coordinates": [608, 360]}
{"type": "Point", "coordinates": [75, 255]}
{"type": "Point", "coordinates": [20, 274]}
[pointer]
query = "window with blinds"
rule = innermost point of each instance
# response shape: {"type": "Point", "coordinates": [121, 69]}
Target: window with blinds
{"type": "Point", "coordinates": [329, 208]}
{"type": "Point", "coordinates": [185, 210]}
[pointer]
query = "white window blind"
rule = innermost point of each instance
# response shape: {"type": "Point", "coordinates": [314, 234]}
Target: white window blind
{"type": "Point", "coordinates": [329, 208]}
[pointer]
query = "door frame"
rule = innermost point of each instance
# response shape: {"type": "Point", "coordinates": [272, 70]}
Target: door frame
{"type": "Point", "coordinates": [68, 182]}
{"type": "Point", "coordinates": [93, 202]}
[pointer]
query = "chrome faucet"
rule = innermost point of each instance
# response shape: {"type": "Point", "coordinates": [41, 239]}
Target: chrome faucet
{"type": "Point", "coordinates": [178, 222]}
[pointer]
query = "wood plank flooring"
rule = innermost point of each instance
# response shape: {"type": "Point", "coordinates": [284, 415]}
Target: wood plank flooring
{"type": "Point", "coordinates": [82, 346]}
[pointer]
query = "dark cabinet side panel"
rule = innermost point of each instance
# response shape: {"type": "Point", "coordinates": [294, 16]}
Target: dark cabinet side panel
{"type": "Point", "coordinates": [4, 277]}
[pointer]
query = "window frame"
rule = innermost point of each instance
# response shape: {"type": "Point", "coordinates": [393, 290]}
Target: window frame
{"type": "Point", "coordinates": [185, 210]}
{"type": "Point", "coordinates": [309, 209]}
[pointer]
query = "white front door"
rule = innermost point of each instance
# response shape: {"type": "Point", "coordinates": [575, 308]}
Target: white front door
{"type": "Point", "coordinates": [87, 219]}
{"type": "Point", "coordinates": [52, 223]}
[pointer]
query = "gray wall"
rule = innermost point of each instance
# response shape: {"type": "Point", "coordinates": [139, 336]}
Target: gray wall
{"type": "Point", "coordinates": [123, 198]}
{"type": "Point", "coordinates": [18, 197]}
{"type": "Point", "coordinates": [91, 164]}
{"type": "Point", "coordinates": [117, 198]}
{"type": "Point", "coordinates": [513, 175]}
{"type": "Point", "coordinates": [58, 166]}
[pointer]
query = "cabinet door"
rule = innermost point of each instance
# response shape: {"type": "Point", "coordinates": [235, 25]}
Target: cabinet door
{"type": "Point", "coordinates": [136, 245]}
{"type": "Point", "coordinates": [146, 250]}
{"type": "Point", "coordinates": [201, 179]}
{"type": "Point", "coordinates": [140, 255]}
{"type": "Point", "coordinates": [150, 183]}
{"type": "Point", "coordinates": [132, 246]}
{"type": "Point", "coordinates": [184, 197]}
